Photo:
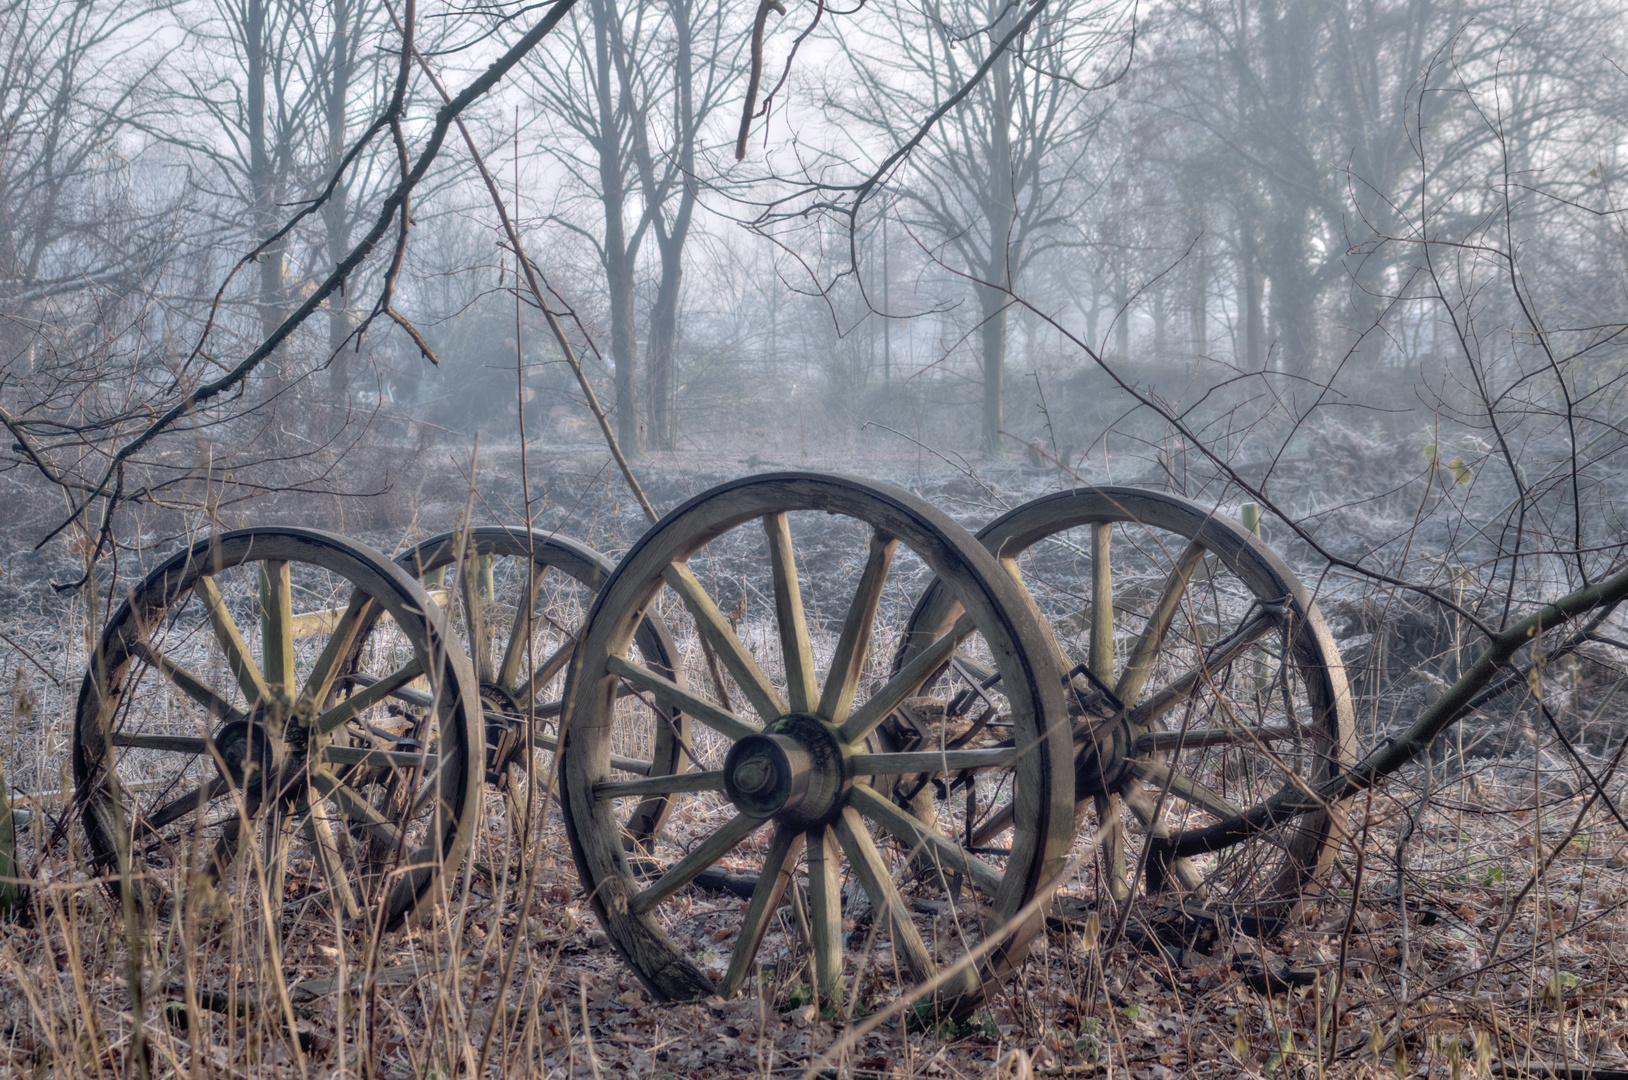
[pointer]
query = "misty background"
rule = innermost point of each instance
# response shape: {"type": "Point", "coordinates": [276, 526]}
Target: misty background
{"type": "Point", "coordinates": [1360, 262]}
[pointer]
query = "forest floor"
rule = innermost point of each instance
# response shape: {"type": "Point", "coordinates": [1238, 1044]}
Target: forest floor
{"type": "Point", "coordinates": [1473, 921]}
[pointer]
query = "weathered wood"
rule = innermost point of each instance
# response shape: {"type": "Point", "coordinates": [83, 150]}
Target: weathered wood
{"type": "Point", "coordinates": [327, 848]}
{"type": "Point", "coordinates": [724, 723]}
{"type": "Point", "coordinates": [1140, 664]}
{"type": "Point", "coordinates": [905, 682]}
{"type": "Point", "coordinates": [477, 640]}
{"type": "Point", "coordinates": [1224, 653]}
{"type": "Point", "coordinates": [1200, 738]}
{"type": "Point", "coordinates": [1284, 607]}
{"type": "Point", "coordinates": [802, 689]}
{"type": "Point", "coordinates": [1184, 788]}
{"type": "Point", "coordinates": [712, 625]}
{"type": "Point", "coordinates": [661, 785]}
{"type": "Point", "coordinates": [995, 608]}
{"type": "Point", "coordinates": [175, 744]}
{"type": "Point", "coordinates": [1102, 602]}
{"type": "Point", "coordinates": [261, 565]}
{"type": "Point", "coordinates": [878, 885]}
{"type": "Point", "coordinates": [356, 808]}
{"type": "Point", "coordinates": [848, 662]}
{"type": "Point", "coordinates": [367, 698]}
{"type": "Point", "coordinates": [1142, 807]}
{"type": "Point", "coordinates": [932, 761]}
{"type": "Point", "coordinates": [913, 834]}
{"type": "Point", "coordinates": [379, 759]}
{"type": "Point", "coordinates": [825, 914]}
{"type": "Point", "coordinates": [188, 683]}
{"type": "Point", "coordinates": [521, 630]}
{"type": "Point", "coordinates": [719, 843]}
{"type": "Point", "coordinates": [778, 866]}
{"type": "Point", "coordinates": [231, 642]}
{"type": "Point", "coordinates": [276, 624]}
{"type": "Point", "coordinates": [326, 620]}
{"type": "Point", "coordinates": [1111, 846]}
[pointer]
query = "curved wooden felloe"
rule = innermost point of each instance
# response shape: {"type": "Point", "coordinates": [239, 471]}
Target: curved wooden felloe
{"type": "Point", "coordinates": [210, 725]}
{"type": "Point", "coordinates": [783, 780]}
{"type": "Point", "coordinates": [516, 599]}
{"type": "Point", "coordinates": [1191, 716]}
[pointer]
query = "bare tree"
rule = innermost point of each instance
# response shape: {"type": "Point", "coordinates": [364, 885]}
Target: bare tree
{"type": "Point", "coordinates": [628, 97]}
{"type": "Point", "coordinates": [993, 177]}
{"type": "Point", "coordinates": [1302, 117]}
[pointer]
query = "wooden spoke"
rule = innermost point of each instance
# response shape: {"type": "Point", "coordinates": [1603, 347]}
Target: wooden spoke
{"type": "Point", "coordinates": [932, 761]}
{"type": "Point", "coordinates": [825, 913]}
{"type": "Point", "coordinates": [724, 723]}
{"type": "Point", "coordinates": [1189, 791]}
{"type": "Point", "coordinates": [189, 803]}
{"type": "Point", "coordinates": [356, 808]}
{"type": "Point", "coordinates": [703, 855]}
{"type": "Point", "coordinates": [848, 663]}
{"type": "Point", "coordinates": [476, 599]}
{"type": "Point", "coordinates": [878, 885]}
{"type": "Point", "coordinates": [637, 766]}
{"type": "Point", "coordinates": [660, 785]}
{"type": "Point", "coordinates": [1140, 665]}
{"type": "Point", "coordinates": [319, 683]}
{"type": "Point", "coordinates": [1112, 846]}
{"type": "Point", "coordinates": [188, 683]}
{"type": "Point", "coordinates": [906, 682]}
{"type": "Point", "coordinates": [378, 759]}
{"type": "Point", "coordinates": [175, 744]}
{"type": "Point", "coordinates": [1101, 658]}
{"type": "Point", "coordinates": [542, 676]}
{"type": "Point", "coordinates": [914, 835]}
{"type": "Point", "coordinates": [525, 616]}
{"type": "Point", "coordinates": [327, 848]}
{"type": "Point", "coordinates": [1194, 739]}
{"type": "Point", "coordinates": [367, 698]}
{"type": "Point", "coordinates": [1224, 653]}
{"type": "Point", "coordinates": [231, 641]}
{"type": "Point", "coordinates": [778, 867]}
{"type": "Point", "coordinates": [1142, 807]}
{"type": "Point", "coordinates": [431, 787]}
{"type": "Point", "coordinates": [277, 624]}
{"type": "Point", "coordinates": [998, 823]}
{"type": "Point", "coordinates": [420, 698]}
{"type": "Point", "coordinates": [802, 690]}
{"type": "Point", "coordinates": [766, 701]}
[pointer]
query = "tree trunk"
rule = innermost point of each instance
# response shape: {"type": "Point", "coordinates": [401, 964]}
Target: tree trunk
{"type": "Point", "coordinates": [1000, 212]}
{"type": "Point", "coordinates": [621, 256]}
{"type": "Point", "coordinates": [993, 335]}
{"type": "Point", "coordinates": [670, 238]}
{"type": "Point", "coordinates": [263, 186]}
{"type": "Point", "coordinates": [335, 214]}
{"type": "Point", "coordinates": [663, 348]}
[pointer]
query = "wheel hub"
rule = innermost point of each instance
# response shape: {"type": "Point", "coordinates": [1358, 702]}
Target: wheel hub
{"type": "Point", "coordinates": [1100, 765]}
{"type": "Point", "coordinates": [795, 770]}
{"type": "Point", "coordinates": [248, 754]}
{"type": "Point", "coordinates": [505, 737]}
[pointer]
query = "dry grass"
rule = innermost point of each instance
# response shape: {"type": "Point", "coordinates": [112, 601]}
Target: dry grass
{"type": "Point", "coordinates": [1417, 960]}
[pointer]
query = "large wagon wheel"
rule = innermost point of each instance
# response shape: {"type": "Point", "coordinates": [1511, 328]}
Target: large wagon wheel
{"type": "Point", "coordinates": [785, 765]}
{"type": "Point", "coordinates": [213, 750]}
{"type": "Point", "coordinates": [1202, 681]}
{"type": "Point", "coordinates": [517, 600]}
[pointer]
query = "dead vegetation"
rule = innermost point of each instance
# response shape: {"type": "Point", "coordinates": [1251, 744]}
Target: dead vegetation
{"type": "Point", "coordinates": [1475, 922]}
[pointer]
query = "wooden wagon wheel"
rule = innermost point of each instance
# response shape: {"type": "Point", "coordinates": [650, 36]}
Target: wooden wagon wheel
{"type": "Point", "coordinates": [214, 751]}
{"type": "Point", "coordinates": [517, 600]}
{"type": "Point", "coordinates": [782, 788]}
{"type": "Point", "coordinates": [1202, 681]}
